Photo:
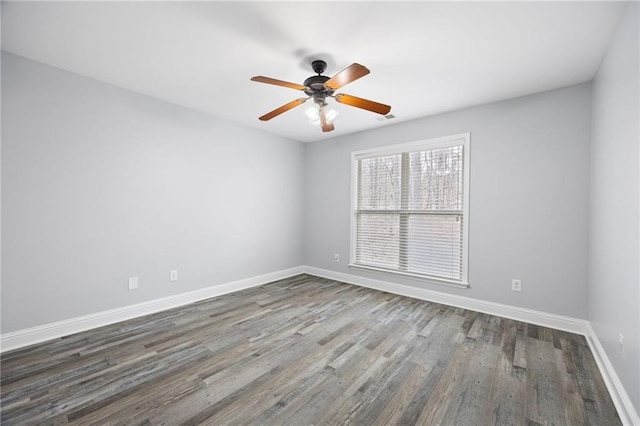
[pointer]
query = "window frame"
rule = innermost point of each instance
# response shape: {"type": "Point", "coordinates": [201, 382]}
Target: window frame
{"type": "Point", "coordinates": [463, 139]}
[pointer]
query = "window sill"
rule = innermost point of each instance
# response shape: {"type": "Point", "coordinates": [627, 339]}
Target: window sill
{"type": "Point", "coordinates": [423, 278]}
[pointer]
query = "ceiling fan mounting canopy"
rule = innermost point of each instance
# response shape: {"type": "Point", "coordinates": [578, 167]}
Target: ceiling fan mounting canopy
{"type": "Point", "coordinates": [319, 66]}
{"type": "Point", "coordinates": [319, 87]}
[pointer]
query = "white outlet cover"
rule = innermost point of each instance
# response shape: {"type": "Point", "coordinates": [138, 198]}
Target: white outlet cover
{"type": "Point", "coordinates": [173, 275]}
{"type": "Point", "coordinates": [621, 342]}
{"type": "Point", "coordinates": [133, 283]}
{"type": "Point", "coordinates": [516, 285]}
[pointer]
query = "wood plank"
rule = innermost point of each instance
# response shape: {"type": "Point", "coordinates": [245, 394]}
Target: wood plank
{"type": "Point", "coordinates": [545, 398]}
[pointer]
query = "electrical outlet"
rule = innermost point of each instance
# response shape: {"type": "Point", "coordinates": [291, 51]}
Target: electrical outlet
{"type": "Point", "coordinates": [133, 283]}
{"type": "Point", "coordinates": [516, 285]}
{"type": "Point", "coordinates": [336, 257]}
{"type": "Point", "coordinates": [173, 275]}
{"type": "Point", "coordinates": [621, 342]}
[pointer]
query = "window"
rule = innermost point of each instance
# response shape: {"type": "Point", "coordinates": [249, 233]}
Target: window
{"type": "Point", "coordinates": [410, 209]}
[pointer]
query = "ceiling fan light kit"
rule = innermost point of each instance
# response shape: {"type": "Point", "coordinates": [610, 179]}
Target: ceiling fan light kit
{"type": "Point", "coordinates": [320, 87]}
{"type": "Point", "coordinates": [313, 115]}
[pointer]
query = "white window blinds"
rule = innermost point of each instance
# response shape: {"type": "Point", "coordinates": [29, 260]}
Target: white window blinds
{"type": "Point", "coordinates": [410, 209]}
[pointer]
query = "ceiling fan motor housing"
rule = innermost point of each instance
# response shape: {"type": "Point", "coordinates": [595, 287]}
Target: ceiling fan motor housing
{"type": "Point", "coordinates": [315, 83]}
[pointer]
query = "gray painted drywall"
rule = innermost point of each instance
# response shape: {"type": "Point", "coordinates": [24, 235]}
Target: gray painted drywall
{"type": "Point", "coordinates": [528, 197]}
{"type": "Point", "coordinates": [614, 281]}
{"type": "Point", "coordinates": [100, 184]}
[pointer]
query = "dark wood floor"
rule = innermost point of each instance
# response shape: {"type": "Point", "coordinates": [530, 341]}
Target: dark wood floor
{"type": "Point", "coordinates": [309, 351]}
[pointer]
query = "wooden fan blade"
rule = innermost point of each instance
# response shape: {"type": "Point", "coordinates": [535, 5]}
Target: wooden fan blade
{"type": "Point", "coordinates": [261, 79]}
{"type": "Point", "coordinates": [346, 76]}
{"type": "Point", "coordinates": [326, 127]}
{"type": "Point", "coordinates": [283, 108]}
{"type": "Point", "coordinates": [362, 103]}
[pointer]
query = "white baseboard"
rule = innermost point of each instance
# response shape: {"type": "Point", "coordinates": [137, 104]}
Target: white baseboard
{"type": "Point", "coordinates": [30, 336]}
{"type": "Point", "coordinates": [626, 411]}
{"type": "Point", "coordinates": [558, 322]}
{"type": "Point", "coordinates": [620, 398]}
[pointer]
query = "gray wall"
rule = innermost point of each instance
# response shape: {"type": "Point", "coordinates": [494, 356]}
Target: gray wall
{"type": "Point", "coordinates": [100, 184]}
{"type": "Point", "coordinates": [614, 282]}
{"type": "Point", "coordinates": [528, 198]}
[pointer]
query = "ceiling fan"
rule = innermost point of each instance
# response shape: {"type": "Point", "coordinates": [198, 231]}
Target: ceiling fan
{"type": "Point", "coordinates": [320, 87]}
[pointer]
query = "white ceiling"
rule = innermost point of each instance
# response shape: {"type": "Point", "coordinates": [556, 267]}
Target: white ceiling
{"type": "Point", "coordinates": [425, 57]}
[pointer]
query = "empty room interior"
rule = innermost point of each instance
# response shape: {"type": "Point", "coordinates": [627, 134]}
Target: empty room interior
{"type": "Point", "coordinates": [321, 213]}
